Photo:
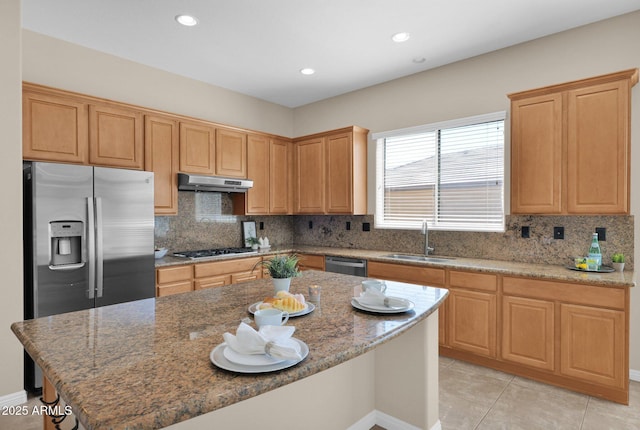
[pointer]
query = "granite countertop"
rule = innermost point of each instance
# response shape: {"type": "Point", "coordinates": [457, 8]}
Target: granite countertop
{"type": "Point", "coordinates": [540, 271]}
{"type": "Point", "coordinates": [145, 364]}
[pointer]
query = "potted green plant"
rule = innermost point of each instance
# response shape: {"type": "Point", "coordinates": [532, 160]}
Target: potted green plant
{"type": "Point", "coordinates": [253, 241]}
{"type": "Point", "coordinates": [617, 260]}
{"type": "Point", "coordinates": [281, 268]}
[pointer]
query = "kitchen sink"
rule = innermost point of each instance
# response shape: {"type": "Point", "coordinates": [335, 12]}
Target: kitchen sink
{"type": "Point", "coordinates": [419, 258]}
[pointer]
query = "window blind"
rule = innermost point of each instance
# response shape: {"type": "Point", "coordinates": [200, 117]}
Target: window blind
{"type": "Point", "coordinates": [451, 174]}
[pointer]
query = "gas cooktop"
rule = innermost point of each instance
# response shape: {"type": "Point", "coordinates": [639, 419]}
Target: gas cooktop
{"type": "Point", "coordinates": [205, 253]}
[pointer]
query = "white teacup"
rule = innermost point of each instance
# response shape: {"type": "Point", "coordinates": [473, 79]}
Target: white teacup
{"type": "Point", "coordinates": [375, 284]}
{"type": "Point", "coordinates": [270, 317]}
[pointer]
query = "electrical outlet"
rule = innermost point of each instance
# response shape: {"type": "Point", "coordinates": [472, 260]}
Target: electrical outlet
{"type": "Point", "coordinates": [524, 231]}
{"type": "Point", "coordinates": [558, 232]}
{"type": "Point", "coordinates": [310, 224]}
{"type": "Point", "coordinates": [366, 226]}
{"type": "Point", "coordinates": [261, 225]}
{"type": "Point", "coordinates": [348, 225]}
{"type": "Point", "coordinates": [602, 234]}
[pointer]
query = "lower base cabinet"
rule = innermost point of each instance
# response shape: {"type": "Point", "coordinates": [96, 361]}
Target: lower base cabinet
{"type": "Point", "coordinates": [174, 280]}
{"type": "Point", "coordinates": [471, 322]}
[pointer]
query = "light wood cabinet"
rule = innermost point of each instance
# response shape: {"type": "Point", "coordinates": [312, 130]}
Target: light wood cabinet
{"type": "Point", "coordinates": [231, 153]}
{"type": "Point", "coordinates": [309, 176]}
{"type": "Point", "coordinates": [116, 137]}
{"type": "Point", "coordinates": [269, 167]}
{"type": "Point", "coordinates": [570, 147]}
{"type": "Point", "coordinates": [592, 344]}
{"type": "Point", "coordinates": [218, 273]}
{"type": "Point", "coordinates": [54, 127]}
{"type": "Point", "coordinates": [280, 176]}
{"type": "Point", "coordinates": [528, 332]}
{"type": "Point", "coordinates": [331, 172]}
{"type": "Point", "coordinates": [161, 139]}
{"type": "Point", "coordinates": [406, 273]}
{"type": "Point", "coordinates": [471, 322]}
{"type": "Point", "coordinates": [197, 148]}
{"type": "Point", "coordinates": [174, 280]}
{"type": "Point", "coordinates": [310, 262]}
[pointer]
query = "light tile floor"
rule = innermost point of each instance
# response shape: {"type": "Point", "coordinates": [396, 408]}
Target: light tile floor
{"type": "Point", "coordinates": [477, 398]}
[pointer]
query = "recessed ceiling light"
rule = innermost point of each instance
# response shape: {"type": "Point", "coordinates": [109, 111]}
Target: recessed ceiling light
{"type": "Point", "coordinates": [307, 71]}
{"type": "Point", "coordinates": [400, 37]}
{"type": "Point", "coordinates": [187, 20]}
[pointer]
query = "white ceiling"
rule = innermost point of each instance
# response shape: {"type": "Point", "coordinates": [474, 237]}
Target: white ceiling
{"type": "Point", "coordinates": [257, 47]}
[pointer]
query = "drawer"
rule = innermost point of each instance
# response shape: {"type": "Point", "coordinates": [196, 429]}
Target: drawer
{"type": "Point", "coordinates": [174, 288]}
{"type": "Point", "coordinates": [212, 282]}
{"type": "Point", "coordinates": [173, 274]}
{"type": "Point", "coordinates": [216, 268]}
{"type": "Point", "coordinates": [406, 273]}
{"type": "Point", "coordinates": [477, 281]}
{"type": "Point", "coordinates": [610, 297]}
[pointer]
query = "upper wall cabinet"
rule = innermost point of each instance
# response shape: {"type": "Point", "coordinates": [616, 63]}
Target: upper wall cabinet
{"type": "Point", "coordinates": [54, 127]}
{"type": "Point", "coordinates": [116, 137]}
{"type": "Point", "coordinates": [231, 153]}
{"type": "Point", "coordinates": [197, 148]}
{"type": "Point", "coordinates": [570, 147]}
{"type": "Point", "coordinates": [330, 172]}
{"type": "Point", "coordinates": [268, 166]}
{"type": "Point", "coordinates": [161, 157]}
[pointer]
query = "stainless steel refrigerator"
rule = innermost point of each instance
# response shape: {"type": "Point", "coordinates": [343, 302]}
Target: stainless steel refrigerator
{"type": "Point", "coordinates": [88, 240]}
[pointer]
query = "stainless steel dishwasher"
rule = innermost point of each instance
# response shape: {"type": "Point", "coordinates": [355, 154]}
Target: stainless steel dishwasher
{"type": "Point", "coordinates": [348, 266]}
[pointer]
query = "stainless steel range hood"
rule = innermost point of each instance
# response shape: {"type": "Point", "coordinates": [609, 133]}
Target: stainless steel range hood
{"type": "Point", "coordinates": [188, 182]}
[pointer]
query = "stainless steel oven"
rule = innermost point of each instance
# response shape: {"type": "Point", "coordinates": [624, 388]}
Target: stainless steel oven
{"type": "Point", "coordinates": [348, 266]}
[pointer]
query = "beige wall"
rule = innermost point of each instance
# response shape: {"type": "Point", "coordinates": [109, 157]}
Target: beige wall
{"type": "Point", "coordinates": [479, 85]}
{"type": "Point", "coordinates": [59, 64]}
{"type": "Point", "coordinates": [11, 197]}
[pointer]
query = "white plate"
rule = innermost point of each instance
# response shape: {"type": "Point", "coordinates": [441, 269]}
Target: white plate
{"type": "Point", "coordinates": [217, 358]}
{"type": "Point", "coordinates": [383, 309]}
{"type": "Point", "coordinates": [309, 308]}
{"type": "Point", "coordinates": [257, 359]}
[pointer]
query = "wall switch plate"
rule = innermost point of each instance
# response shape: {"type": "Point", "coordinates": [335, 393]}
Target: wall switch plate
{"type": "Point", "coordinates": [366, 226]}
{"type": "Point", "coordinates": [261, 225]}
{"type": "Point", "coordinates": [558, 232]}
{"type": "Point", "coordinates": [524, 231]}
{"type": "Point", "coordinates": [310, 224]}
{"type": "Point", "coordinates": [602, 234]}
{"type": "Point", "coordinates": [348, 225]}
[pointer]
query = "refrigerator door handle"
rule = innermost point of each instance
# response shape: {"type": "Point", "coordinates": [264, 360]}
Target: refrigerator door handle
{"type": "Point", "coordinates": [67, 267]}
{"type": "Point", "coordinates": [99, 248]}
{"type": "Point", "coordinates": [91, 246]}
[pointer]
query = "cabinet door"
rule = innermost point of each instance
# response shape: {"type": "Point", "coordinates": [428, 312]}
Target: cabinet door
{"type": "Point", "coordinates": [309, 176]}
{"type": "Point", "coordinates": [598, 150]}
{"type": "Point", "coordinates": [197, 148]}
{"type": "Point", "coordinates": [257, 198]}
{"type": "Point", "coordinates": [116, 137]}
{"type": "Point", "coordinates": [231, 153]}
{"type": "Point", "coordinates": [406, 273]}
{"type": "Point", "coordinates": [339, 159]}
{"type": "Point", "coordinates": [536, 155]}
{"type": "Point", "coordinates": [161, 157]}
{"type": "Point", "coordinates": [311, 262]}
{"type": "Point", "coordinates": [279, 177]}
{"type": "Point", "coordinates": [472, 321]}
{"type": "Point", "coordinates": [54, 128]}
{"type": "Point", "coordinates": [593, 345]}
{"type": "Point", "coordinates": [528, 332]}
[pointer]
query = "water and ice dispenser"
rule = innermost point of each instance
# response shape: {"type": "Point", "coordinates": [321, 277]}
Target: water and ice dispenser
{"type": "Point", "coordinates": [66, 244]}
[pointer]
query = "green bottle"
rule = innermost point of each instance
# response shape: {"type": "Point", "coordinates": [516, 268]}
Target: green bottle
{"type": "Point", "coordinates": [594, 250]}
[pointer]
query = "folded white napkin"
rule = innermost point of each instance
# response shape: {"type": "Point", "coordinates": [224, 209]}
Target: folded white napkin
{"type": "Point", "coordinates": [373, 297]}
{"type": "Point", "coordinates": [272, 340]}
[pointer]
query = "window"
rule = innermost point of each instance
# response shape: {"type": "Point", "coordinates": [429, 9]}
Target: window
{"type": "Point", "coordinates": [449, 173]}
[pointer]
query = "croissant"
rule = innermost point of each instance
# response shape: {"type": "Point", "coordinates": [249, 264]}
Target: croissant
{"type": "Point", "coordinates": [288, 304]}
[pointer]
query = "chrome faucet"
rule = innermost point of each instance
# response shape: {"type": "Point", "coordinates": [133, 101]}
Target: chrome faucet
{"type": "Point", "coordinates": [425, 231]}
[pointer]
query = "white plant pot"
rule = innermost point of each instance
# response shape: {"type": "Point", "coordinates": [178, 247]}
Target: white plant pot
{"type": "Point", "coordinates": [619, 267]}
{"type": "Point", "coordinates": [281, 284]}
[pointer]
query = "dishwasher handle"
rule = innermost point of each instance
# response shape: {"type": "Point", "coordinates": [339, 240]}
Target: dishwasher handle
{"type": "Point", "coordinates": [357, 263]}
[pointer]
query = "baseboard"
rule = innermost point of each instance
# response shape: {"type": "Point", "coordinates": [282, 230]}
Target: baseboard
{"type": "Point", "coordinates": [634, 375]}
{"type": "Point", "coordinates": [387, 421]}
{"type": "Point", "coordinates": [13, 399]}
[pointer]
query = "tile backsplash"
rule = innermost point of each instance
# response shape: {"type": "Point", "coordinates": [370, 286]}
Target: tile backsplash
{"type": "Point", "coordinates": [206, 220]}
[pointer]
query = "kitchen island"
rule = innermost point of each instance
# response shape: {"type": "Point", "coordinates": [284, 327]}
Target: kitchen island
{"type": "Point", "coordinates": [146, 365]}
